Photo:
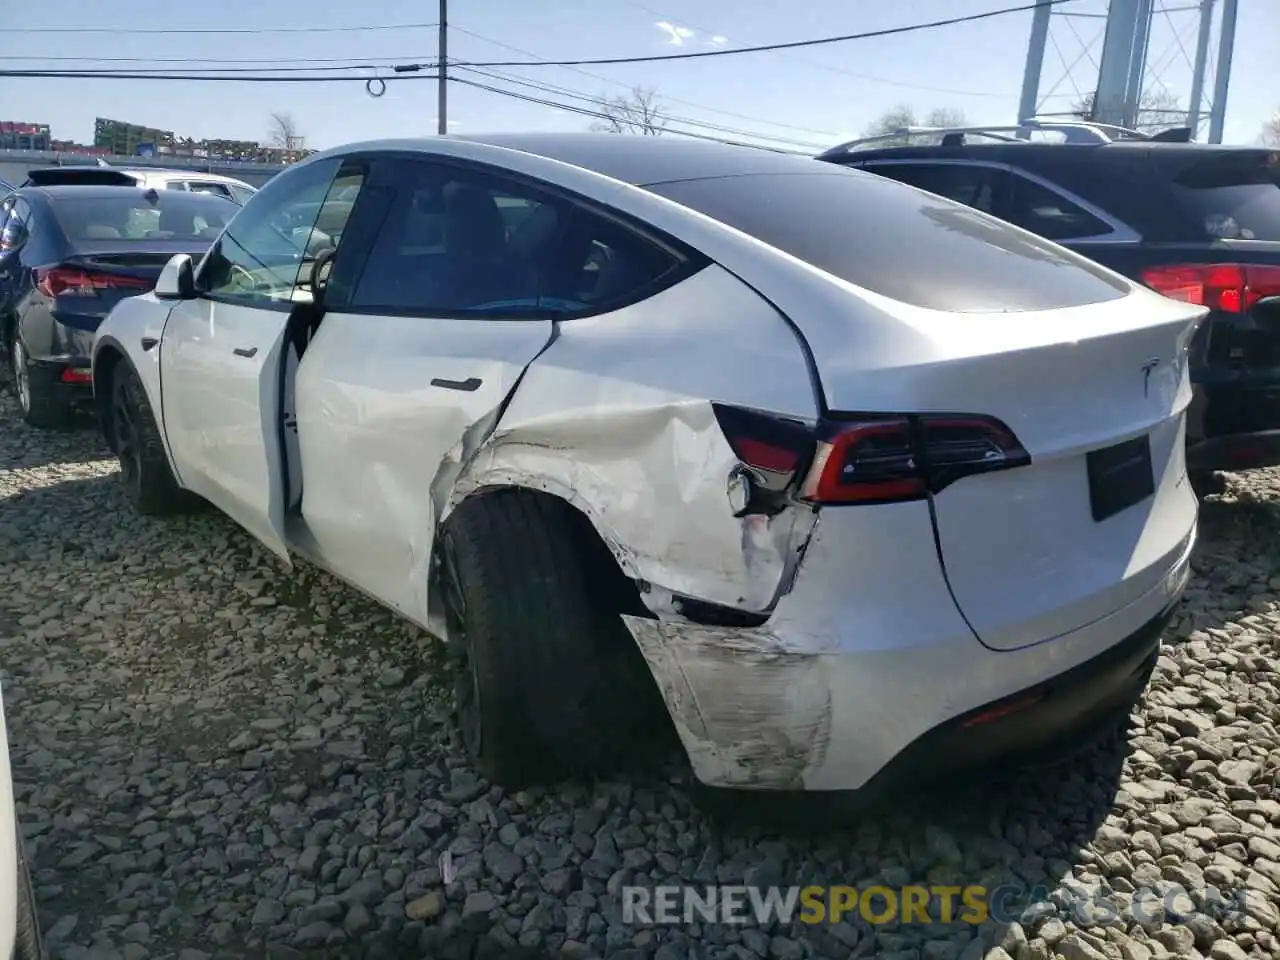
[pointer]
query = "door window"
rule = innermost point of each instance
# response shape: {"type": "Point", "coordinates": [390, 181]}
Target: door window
{"type": "Point", "coordinates": [466, 242]}
{"type": "Point", "coordinates": [217, 189]}
{"type": "Point", "coordinates": [973, 185]}
{"type": "Point", "coordinates": [1046, 212]}
{"type": "Point", "coordinates": [264, 256]}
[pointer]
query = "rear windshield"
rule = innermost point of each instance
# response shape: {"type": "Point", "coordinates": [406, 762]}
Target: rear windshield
{"type": "Point", "coordinates": [899, 242]}
{"type": "Point", "coordinates": [1235, 196]}
{"type": "Point", "coordinates": [143, 216]}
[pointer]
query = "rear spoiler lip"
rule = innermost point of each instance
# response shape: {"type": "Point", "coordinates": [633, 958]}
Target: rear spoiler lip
{"type": "Point", "coordinates": [95, 176]}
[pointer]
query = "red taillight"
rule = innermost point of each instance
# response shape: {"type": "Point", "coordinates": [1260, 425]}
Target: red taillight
{"type": "Point", "coordinates": [57, 281]}
{"type": "Point", "coordinates": [77, 375]}
{"type": "Point", "coordinates": [906, 457]}
{"type": "Point", "coordinates": [869, 459]}
{"type": "Point", "coordinates": [1230, 287]}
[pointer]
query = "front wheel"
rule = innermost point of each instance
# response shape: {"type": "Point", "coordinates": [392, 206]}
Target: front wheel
{"type": "Point", "coordinates": [542, 666]}
{"type": "Point", "coordinates": [148, 480]}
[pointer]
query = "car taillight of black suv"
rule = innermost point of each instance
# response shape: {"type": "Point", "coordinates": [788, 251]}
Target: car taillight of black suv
{"type": "Point", "coordinates": [1196, 222]}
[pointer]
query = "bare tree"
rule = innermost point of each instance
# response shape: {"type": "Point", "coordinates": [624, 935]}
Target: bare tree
{"type": "Point", "coordinates": [283, 131]}
{"type": "Point", "coordinates": [636, 112]}
{"type": "Point", "coordinates": [904, 115]}
{"type": "Point", "coordinates": [1157, 110]}
{"type": "Point", "coordinates": [1271, 131]}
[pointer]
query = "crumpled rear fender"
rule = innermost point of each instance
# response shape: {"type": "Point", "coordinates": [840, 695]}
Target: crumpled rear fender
{"type": "Point", "coordinates": [615, 417]}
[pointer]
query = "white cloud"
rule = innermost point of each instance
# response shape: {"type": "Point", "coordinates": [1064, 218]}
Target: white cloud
{"type": "Point", "coordinates": [719, 40]}
{"type": "Point", "coordinates": [676, 36]}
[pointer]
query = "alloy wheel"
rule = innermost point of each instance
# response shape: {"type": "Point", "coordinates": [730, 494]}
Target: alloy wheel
{"type": "Point", "coordinates": [128, 447]}
{"type": "Point", "coordinates": [21, 376]}
{"type": "Point", "coordinates": [466, 683]}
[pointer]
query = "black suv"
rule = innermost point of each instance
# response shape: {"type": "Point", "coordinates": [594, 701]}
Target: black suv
{"type": "Point", "coordinates": [1197, 222]}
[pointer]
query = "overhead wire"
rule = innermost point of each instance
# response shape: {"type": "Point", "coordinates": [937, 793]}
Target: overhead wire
{"type": "Point", "coordinates": [658, 115]}
{"type": "Point", "coordinates": [830, 68]}
{"type": "Point", "coordinates": [770, 47]}
{"type": "Point", "coordinates": [618, 83]}
{"type": "Point", "coordinates": [601, 115]}
{"type": "Point", "coordinates": [408, 68]}
{"type": "Point", "coordinates": [220, 30]}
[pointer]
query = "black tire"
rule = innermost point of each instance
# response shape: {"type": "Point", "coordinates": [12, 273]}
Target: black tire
{"type": "Point", "coordinates": [42, 406]}
{"type": "Point", "coordinates": [148, 480]}
{"type": "Point", "coordinates": [1207, 483]}
{"type": "Point", "coordinates": [27, 941]}
{"type": "Point", "coordinates": [544, 669]}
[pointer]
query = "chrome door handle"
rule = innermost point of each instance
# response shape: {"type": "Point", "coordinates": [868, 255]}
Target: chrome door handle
{"type": "Point", "coordinates": [243, 352]}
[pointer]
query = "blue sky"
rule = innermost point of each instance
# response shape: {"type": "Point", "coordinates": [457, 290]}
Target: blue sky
{"type": "Point", "coordinates": [810, 97]}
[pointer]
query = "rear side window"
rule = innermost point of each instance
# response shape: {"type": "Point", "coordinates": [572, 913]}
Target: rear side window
{"type": "Point", "coordinates": [149, 215]}
{"type": "Point", "coordinates": [912, 247]}
{"type": "Point", "coordinates": [972, 185]}
{"type": "Point", "coordinates": [1046, 212]}
{"type": "Point", "coordinates": [1233, 196]}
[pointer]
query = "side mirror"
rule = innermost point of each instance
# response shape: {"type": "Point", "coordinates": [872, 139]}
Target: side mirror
{"type": "Point", "coordinates": [177, 280]}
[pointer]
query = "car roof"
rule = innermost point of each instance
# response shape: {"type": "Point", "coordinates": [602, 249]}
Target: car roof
{"type": "Point", "coordinates": [635, 160]}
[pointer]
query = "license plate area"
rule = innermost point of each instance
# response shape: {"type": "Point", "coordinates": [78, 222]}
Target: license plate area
{"type": "Point", "coordinates": [1119, 477]}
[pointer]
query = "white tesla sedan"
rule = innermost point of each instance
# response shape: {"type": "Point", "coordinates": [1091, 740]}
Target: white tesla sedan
{"type": "Point", "coordinates": [871, 483]}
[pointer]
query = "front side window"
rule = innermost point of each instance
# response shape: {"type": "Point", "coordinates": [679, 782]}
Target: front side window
{"type": "Point", "coordinates": [1035, 207]}
{"type": "Point", "coordinates": [467, 242]}
{"type": "Point", "coordinates": [265, 254]}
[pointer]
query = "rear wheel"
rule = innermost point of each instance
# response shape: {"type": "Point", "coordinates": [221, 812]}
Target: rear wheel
{"type": "Point", "coordinates": [1207, 483]}
{"type": "Point", "coordinates": [543, 667]}
{"type": "Point", "coordinates": [41, 404]}
{"type": "Point", "coordinates": [148, 480]}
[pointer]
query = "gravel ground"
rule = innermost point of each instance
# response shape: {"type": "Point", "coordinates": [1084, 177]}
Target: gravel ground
{"type": "Point", "coordinates": [214, 757]}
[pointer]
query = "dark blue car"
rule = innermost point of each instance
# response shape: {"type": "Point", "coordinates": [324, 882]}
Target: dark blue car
{"type": "Point", "coordinates": [68, 254]}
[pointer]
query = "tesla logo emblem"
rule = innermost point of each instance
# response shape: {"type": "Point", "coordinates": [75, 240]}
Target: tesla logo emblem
{"type": "Point", "coordinates": [1147, 367]}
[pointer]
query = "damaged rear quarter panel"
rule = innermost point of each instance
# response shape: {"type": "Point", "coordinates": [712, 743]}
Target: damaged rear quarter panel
{"type": "Point", "coordinates": [615, 417]}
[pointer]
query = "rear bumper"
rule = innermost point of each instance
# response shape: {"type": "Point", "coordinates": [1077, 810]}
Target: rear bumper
{"type": "Point", "coordinates": [790, 706]}
{"type": "Point", "coordinates": [49, 376]}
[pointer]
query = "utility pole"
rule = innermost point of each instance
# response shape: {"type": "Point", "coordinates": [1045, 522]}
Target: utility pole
{"type": "Point", "coordinates": [442, 79]}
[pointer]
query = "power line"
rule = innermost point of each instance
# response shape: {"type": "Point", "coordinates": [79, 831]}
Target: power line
{"type": "Point", "coordinates": [600, 115]}
{"type": "Point", "coordinates": [225, 77]}
{"type": "Point", "coordinates": [352, 61]}
{"type": "Point", "coordinates": [618, 83]}
{"type": "Point", "coordinates": [222, 30]}
{"type": "Point", "coordinates": [829, 67]}
{"type": "Point", "coordinates": [768, 47]}
{"type": "Point", "coordinates": [658, 115]}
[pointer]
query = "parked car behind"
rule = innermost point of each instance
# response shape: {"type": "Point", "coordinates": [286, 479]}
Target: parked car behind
{"type": "Point", "coordinates": [68, 254]}
{"type": "Point", "coordinates": [229, 188]}
{"type": "Point", "coordinates": [863, 483]}
{"type": "Point", "coordinates": [1196, 222]}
